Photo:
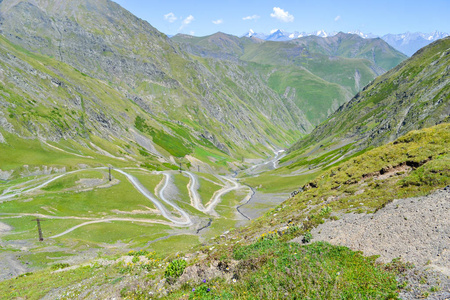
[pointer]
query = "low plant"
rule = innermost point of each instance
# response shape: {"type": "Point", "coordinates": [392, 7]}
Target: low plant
{"type": "Point", "coordinates": [398, 266]}
{"type": "Point", "coordinates": [138, 253]}
{"type": "Point", "coordinates": [175, 268]}
{"type": "Point", "coordinates": [125, 268]}
{"type": "Point", "coordinates": [203, 291]}
{"type": "Point", "coordinates": [272, 269]}
{"type": "Point", "coordinates": [59, 266]}
{"type": "Point", "coordinates": [325, 211]}
{"type": "Point", "coordinates": [307, 237]}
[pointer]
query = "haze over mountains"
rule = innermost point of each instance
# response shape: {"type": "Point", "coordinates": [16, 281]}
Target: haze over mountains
{"type": "Point", "coordinates": [407, 43]}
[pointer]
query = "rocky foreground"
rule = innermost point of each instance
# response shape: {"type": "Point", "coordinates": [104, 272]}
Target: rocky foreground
{"type": "Point", "coordinates": [417, 230]}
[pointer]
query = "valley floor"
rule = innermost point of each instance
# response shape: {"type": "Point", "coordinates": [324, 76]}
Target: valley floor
{"type": "Point", "coordinates": [172, 207]}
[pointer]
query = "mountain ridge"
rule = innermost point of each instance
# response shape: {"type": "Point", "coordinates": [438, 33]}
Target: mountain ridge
{"type": "Point", "coordinates": [393, 104]}
{"type": "Point", "coordinates": [139, 67]}
{"type": "Point", "coordinates": [294, 69]}
{"type": "Point", "coordinates": [407, 43]}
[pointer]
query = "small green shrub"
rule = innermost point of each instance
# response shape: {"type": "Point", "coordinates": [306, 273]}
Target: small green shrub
{"type": "Point", "coordinates": [175, 269]}
{"type": "Point", "coordinates": [138, 253]}
{"type": "Point", "coordinates": [25, 274]}
{"type": "Point", "coordinates": [307, 237]}
{"type": "Point", "coordinates": [435, 289]}
{"type": "Point", "coordinates": [59, 266]}
{"type": "Point", "coordinates": [325, 211]}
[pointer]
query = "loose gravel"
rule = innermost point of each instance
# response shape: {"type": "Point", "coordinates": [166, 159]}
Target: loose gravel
{"type": "Point", "coordinates": [415, 229]}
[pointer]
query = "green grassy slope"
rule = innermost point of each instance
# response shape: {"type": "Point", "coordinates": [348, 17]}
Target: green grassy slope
{"type": "Point", "coordinates": [257, 260]}
{"type": "Point", "coordinates": [134, 92]}
{"type": "Point", "coordinates": [413, 95]}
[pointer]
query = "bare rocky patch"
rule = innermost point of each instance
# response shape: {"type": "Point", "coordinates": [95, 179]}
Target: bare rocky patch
{"type": "Point", "coordinates": [417, 230]}
{"type": "Point", "coordinates": [4, 228]}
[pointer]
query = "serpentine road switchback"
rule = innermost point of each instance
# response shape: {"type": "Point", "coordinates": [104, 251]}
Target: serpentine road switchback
{"type": "Point", "coordinates": [229, 184]}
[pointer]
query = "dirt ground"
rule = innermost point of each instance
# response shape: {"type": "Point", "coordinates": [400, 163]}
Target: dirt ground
{"type": "Point", "coordinates": [415, 229]}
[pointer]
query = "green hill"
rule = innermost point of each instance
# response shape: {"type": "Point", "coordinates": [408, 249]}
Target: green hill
{"type": "Point", "coordinates": [411, 96]}
{"type": "Point", "coordinates": [135, 156]}
{"type": "Point", "coordinates": [258, 259]}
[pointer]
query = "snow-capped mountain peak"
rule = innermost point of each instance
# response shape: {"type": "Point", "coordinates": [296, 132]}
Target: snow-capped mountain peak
{"type": "Point", "coordinates": [410, 42]}
{"type": "Point", "coordinates": [278, 35]}
{"type": "Point", "coordinates": [250, 33]}
{"type": "Point", "coordinates": [363, 35]}
{"type": "Point", "coordinates": [407, 42]}
{"type": "Point", "coordinates": [322, 33]}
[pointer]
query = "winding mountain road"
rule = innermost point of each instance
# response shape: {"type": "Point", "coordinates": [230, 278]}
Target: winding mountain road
{"type": "Point", "coordinates": [165, 213]}
{"type": "Point", "coordinates": [88, 220]}
{"type": "Point", "coordinates": [230, 184]}
{"type": "Point", "coordinates": [108, 221]}
{"type": "Point", "coordinates": [161, 196]}
{"type": "Point", "coordinates": [24, 190]}
{"type": "Point", "coordinates": [258, 168]}
{"type": "Point", "coordinates": [193, 186]}
{"type": "Point", "coordinates": [218, 194]}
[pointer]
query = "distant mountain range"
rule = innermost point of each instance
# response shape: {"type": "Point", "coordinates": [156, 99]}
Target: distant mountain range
{"type": "Point", "coordinates": [313, 74]}
{"type": "Point", "coordinates": [408, 42]}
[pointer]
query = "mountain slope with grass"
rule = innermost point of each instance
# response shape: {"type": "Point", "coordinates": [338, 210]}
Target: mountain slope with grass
{"type": "Point", "coordinates": [340, 65]}
{"type": "Point", "coordinates": [117, 147]}
{"type": "Point", "coordinates": [259, 260]}
{"type": "Point", "coordinates": [414, 95]}
{"type": "Point", "coordinates": [91, 74]}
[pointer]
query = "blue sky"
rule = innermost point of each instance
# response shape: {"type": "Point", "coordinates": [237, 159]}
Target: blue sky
{"type": "Point", "coordinates": [379, 17]}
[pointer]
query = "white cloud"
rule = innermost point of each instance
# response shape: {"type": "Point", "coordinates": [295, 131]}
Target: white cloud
{"type": "Point", "coordinates": [187, 21]}
{"type": "Point", "coordinates": [337, 18]}
{"type": "Point", "coordinates": [191, 32]}
{"type": "Point", "coordinates": [282, 15]}
{"type": "Point", "coordinates": [217, 22]}
{"type": "Point", "coordinates": [248, 18]}
{"type": "Point", "coordinates": [170, 17]}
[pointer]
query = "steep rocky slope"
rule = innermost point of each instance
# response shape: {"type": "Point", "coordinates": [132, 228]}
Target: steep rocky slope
{"type": "Point", "coordinates": [82, 69]}
{"type": "Point", "coordinates": [414, 95]}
